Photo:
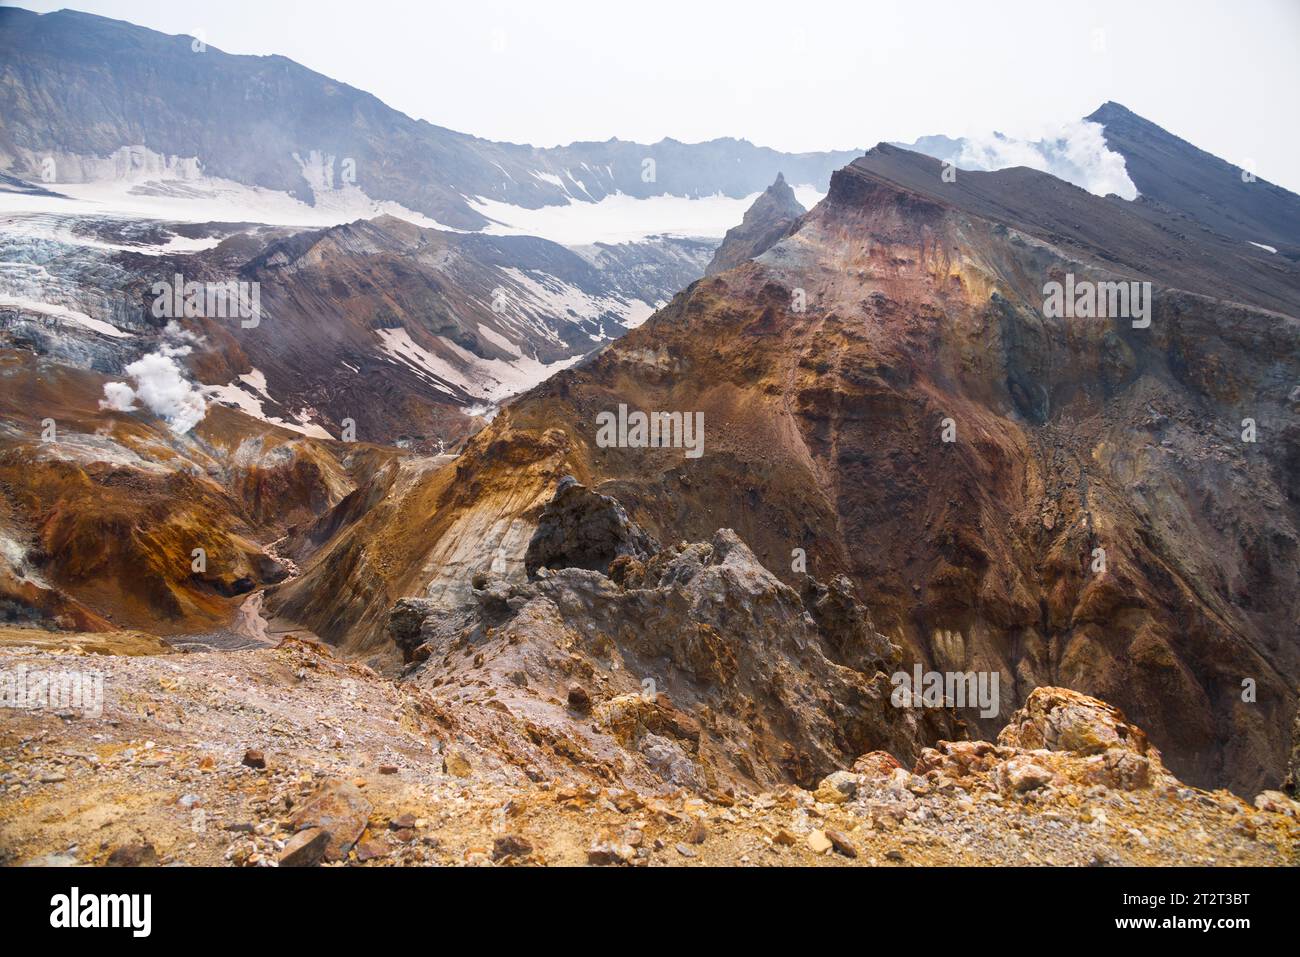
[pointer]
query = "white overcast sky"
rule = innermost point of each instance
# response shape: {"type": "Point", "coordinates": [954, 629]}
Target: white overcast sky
{"type": "Point", "coordinates": [804, 75]}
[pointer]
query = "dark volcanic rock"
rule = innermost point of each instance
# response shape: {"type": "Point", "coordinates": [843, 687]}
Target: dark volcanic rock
{"type": "Point", "coordinates": [404, 622]}
{"type": "Point", "coordinates": [583, 529]}
{"type": "Point", "coordinates": [1292, 782]}
{"type": "Point", "coordinates": [133, 855]}
{"type": "Point", "coordinates": [846, 623]}
{"type": "Point", "coordinates": [1174, 173]}
{"type": "Point", "coordinates": [579, 699]}
{"type": "Point", "coordinates": [511, 845]}
{"type": "Point", "coordinates": [306, 848]}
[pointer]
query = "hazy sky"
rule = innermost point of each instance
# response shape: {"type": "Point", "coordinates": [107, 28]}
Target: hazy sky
{"type": "Point", "coordinates": [802, 75]}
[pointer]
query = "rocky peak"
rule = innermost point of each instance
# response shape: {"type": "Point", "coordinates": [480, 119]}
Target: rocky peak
{"type": "Point", "coordinates": [766, 223]}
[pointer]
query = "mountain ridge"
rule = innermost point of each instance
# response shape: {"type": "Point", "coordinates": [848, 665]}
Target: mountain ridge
{"type": "Point", "coordinates": [84, 63]}
{"type": "Point", "coordinates": [824, 434]}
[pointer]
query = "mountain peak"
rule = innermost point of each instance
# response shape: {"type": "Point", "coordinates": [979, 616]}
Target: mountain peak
{"type": "Point", "coordinates": [1220, 194]}
{"type": "Point", "coordinates": [1110, 110]}
{"type": "Point", "coordinates": [766, 223]}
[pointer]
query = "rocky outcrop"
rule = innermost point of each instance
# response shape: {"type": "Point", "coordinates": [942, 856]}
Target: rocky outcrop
{"type": "Point", "coordinates": [846, 623]}
{"type": "Point", "coordinates": [1057, 719]}
{"type": "Point", "coordinates": [767, 221]}
{"type": "Point", "coordinates": [582, 529]}
{"type": "Point", "coordinates": [1060, 739]}
{"type": "Point", "coordinates": [695, 660]}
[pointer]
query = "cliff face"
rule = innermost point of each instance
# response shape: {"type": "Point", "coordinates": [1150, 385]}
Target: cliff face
{"type": "Point", "coordinates": [1096, 520]}
{"type": "Point", "coordinates": [766, 223]}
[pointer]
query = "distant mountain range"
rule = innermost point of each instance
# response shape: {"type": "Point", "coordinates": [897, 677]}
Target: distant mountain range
{"type": "Point", "coordinates": [104, 99]}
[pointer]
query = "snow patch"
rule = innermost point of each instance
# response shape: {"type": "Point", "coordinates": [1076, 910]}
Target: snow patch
{"type": "Point", "coordinates": [436, 370]}
{"type": "Point", "coordinates": [234, 395]}
{"type": "Point", "coordinates": [488, 380]}
{"type": "Point", "coordinates": [619, 218]}
{"type": "Point", "coordinates": [498, 340]}
{"type": "Point", "coordinates": [206, 200]}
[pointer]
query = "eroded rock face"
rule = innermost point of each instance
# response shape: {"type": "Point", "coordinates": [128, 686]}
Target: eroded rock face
{"type": "Point", "coordinates": [697, 663]}
{"type": "Point", "coordinates": [845, 621]}
{"type": "Point", "coordinates": [1071, 435]}
{"type": "Point", "coordinates": [108, 518]}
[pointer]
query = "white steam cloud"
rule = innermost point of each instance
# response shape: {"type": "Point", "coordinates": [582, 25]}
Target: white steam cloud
{"type": "Point", "coordinates": [1076, 153]}
{"type": "Point", "coordinates": [160, 385]}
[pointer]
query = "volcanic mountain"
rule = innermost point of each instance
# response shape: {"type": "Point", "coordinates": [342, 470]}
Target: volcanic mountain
{"type": "Point", "coordinates": [1099, 503]}
{"type": "Point", "coordinates": [1230, 200]}
{"type": "Point", "coordinates": [908, 458]}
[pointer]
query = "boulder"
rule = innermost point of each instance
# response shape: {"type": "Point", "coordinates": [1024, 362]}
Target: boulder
{"type": "Point", "coordinates": [1058, 719]}
{"type": "Point", "coordinates": [876, 764]}
{"type": "Point", "coordinates": [339, 809]}
{"type": "Point", "coordinates": [837, 787]}
{"type": "Point", "coordinates": [306, 848]}
{"type": "Point", "coordinates": [405, 620]}
{"type": "Point", "coordinates": [1020, 774]}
